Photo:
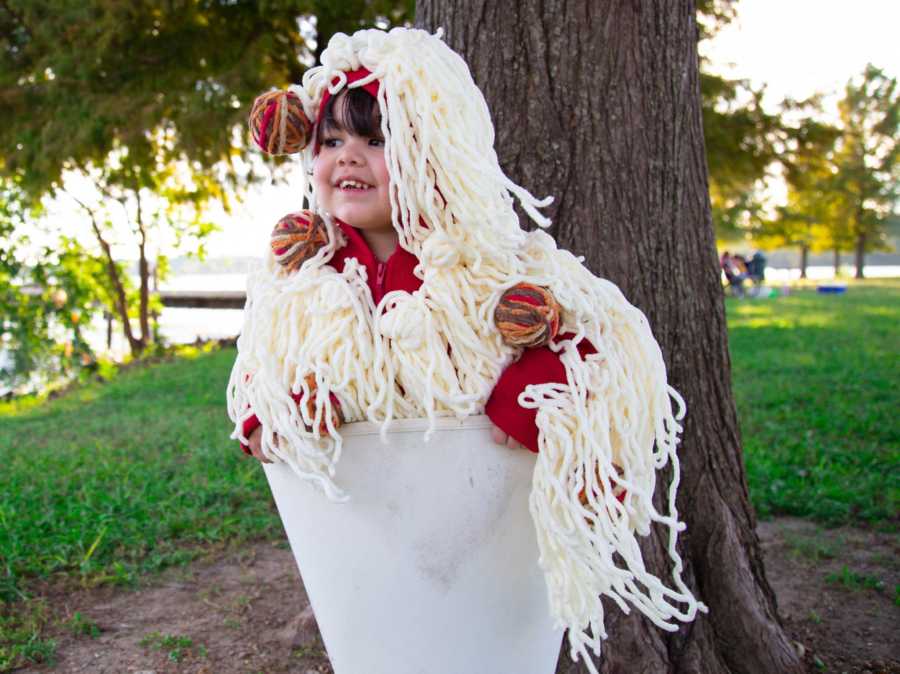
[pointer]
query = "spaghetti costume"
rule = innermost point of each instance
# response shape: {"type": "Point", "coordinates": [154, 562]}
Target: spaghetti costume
{"type": "Point", "coordinates": [535, 366]}
{"type": "Point", "coordinates": [428, 349]}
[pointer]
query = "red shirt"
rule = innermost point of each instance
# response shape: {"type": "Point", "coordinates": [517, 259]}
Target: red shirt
{"type": "Point", "coordinates": [535, 366]}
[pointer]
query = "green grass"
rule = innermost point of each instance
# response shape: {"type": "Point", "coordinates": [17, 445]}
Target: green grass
{"type": "Point", "coordinates": [178, 647]}
{"type": "Point", "coordinates": [816, 385]}
{"type": "Point", "coordinates": [22, 638]}
{"type": "Point", "coordinates": [852, 580]}
{"type": "Point", "coordinates": [813, 548]}
{"type": "Point", "coordinates": [79, 625]}
{"type": "Point", "coordinates": [113, 481]}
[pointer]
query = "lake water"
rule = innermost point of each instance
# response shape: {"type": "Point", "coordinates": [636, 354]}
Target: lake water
{"type": "Point", "coordinates": [186, 325]}
{"type": "Point", "coordinates": [181, 326]}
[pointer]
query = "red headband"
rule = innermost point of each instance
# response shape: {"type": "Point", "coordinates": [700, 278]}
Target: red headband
{"type": "Point", "coordinates": [352, 76]}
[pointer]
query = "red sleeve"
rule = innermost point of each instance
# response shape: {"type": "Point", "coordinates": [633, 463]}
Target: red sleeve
{"type": "Point", "coordinates": [536, 366]}
{"type": "Point", "coordinates": [250, 425]}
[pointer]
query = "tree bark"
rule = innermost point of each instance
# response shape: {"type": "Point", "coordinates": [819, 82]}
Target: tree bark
{"type": "Point", "coordinates": [837, 262]}
{"type": "Point", "coordinates": [598, 103]}
{"type": "Point", "coordinates": [804, 260]}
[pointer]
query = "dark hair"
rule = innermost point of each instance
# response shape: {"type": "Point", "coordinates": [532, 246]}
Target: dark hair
{"type": "Point", "coordinates": [352, 110]}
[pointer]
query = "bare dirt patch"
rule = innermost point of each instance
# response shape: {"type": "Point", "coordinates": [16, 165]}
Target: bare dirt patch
{"type": "Point", "coordinates": [247, 612]}
{"type": "Point", "coordinates": [837, 592]}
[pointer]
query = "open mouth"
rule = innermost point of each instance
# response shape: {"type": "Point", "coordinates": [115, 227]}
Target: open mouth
{"type": "Point", "coordinates": [353, 186]}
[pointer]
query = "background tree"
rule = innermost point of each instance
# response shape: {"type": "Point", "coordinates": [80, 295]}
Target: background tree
{"type": "Point", "coordinates": [741, 147]}
{"type": "Point", "coordinates": [150, 209]}
{"type": "Point", "coordinates": [842, 179]}
{"type": "Point", "coordinates": [598, 103]}
{"type": "Point", "coordinates": [867, 173]}
{"type": "Point", "coordinates": [144, 105]}
{"type": "Point", "coordinates": [81, 79]}
{"type": "Point", "coordinates": [44, 302]}
{"type": "Point", "coordinates": [741, 137]}
{"type": "Point", "coordinates": [811, 217]}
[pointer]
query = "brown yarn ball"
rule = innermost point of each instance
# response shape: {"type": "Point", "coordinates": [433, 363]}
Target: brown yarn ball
{"type": "Point", "coordinates": [278, 124]}
{"type": "Point", "coordinates": [296, 238]}
{"type": "Point", "coordinates": [337, 417]}
{"type": "Point", "coordinates": [527, 316]}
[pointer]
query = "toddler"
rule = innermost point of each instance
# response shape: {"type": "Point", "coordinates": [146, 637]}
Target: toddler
{"type": "Point", "coordinates": [416, 301]}
{"type": "Point", "coordinates": [352, 184]}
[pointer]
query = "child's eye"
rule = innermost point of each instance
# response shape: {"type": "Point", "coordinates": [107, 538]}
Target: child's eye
{"type": "Point", "coordinates": [376, 142]}
{"type": "Point", "coordinates": [330, 142]}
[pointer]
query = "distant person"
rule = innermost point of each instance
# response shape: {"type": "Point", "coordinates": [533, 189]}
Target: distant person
{"type": "Point", "coordinates": [734, 273]}
{"type": "Point", "coordinates": [756, 268]}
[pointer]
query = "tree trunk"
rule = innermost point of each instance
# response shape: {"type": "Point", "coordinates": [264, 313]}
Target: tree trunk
{"type": "Point", "coordinates": [837, 262]}
{"type": "Point", "coordinates": [143, 272]}
{"type": "Point", "coordinates": [109, 330]}
{"type": "Point", "coordinates": [120, 299]}
{"type": "Point", "coordinates": [598, 103]}
{"type": "Point", "coordinates": [804, 260]}
{"type": "Point", "coordinates": [860, 255]}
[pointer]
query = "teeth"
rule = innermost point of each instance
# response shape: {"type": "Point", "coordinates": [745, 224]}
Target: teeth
{"type": "Point", "coordinates": [352, 184]}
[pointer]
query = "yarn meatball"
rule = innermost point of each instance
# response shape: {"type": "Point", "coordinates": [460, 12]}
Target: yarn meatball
{"type": "Point", "coordinates": [527, 316]}
{"type": "Point", "coordinates": [297, 238]}
{"type": "Point", "coordinates": [278, 124]}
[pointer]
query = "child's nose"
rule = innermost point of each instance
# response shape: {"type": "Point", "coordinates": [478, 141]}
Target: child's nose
{"type": "Point", "coordinates": [346, 159]}
{"type": "Point", "coordinates": [350, 154]}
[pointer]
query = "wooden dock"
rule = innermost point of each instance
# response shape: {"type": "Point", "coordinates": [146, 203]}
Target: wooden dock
{"type": "Point", "coordinates": [203, 299]}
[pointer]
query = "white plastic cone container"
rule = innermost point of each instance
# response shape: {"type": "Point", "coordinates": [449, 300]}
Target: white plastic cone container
{"type": "Point", "coordinates": [431, 568]}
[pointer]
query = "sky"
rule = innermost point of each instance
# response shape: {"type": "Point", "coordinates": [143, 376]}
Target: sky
{"type": "Point", "coordinates": [800, 47]}
{"type": "Point", "coordinates": [793, 47]}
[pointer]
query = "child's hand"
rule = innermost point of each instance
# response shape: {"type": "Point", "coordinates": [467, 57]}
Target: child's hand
{"type": "Point", "coordinates": [255, 442]}
{"type": "Point", "coordinates": [501, 438]}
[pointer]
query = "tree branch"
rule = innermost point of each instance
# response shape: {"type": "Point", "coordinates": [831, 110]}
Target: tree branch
{"type": "Point", "coordinates": [143, 269]}
{"type": "Point", "coordinates": [113, 273]}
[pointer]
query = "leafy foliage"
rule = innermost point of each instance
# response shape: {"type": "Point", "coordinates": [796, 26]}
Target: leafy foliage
{"type": "Point", "coordinates": [44, 303]}
{"type": "Point", "coordinates": [144, 102]}
{"type": "Point", "coordinates": [867, 172]}
{"type": "Point", "coordinates": [80, 79]}
{"type": "Point", "coordinates": [809, 213]}
{"type": "Point", "coordinates": [741, 141]}
{"type": "Point", "coordinates": [712, 15]}
{"type": "Point", "coordinates": [741, 137]}
{"type": "Point", "coordinates": [842, 180]}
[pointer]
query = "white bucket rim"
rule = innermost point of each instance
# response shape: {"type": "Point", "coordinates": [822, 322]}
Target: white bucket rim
{"type": "Point", "coordinates": [417, 425]}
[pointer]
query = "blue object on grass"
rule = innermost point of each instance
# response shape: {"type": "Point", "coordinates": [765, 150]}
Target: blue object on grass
{"type": "Point", "coordinates": [831, 289]}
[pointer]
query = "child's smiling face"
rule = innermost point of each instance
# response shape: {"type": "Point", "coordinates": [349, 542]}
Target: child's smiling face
{"type": "Point", "coordinates": [349, 173]}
